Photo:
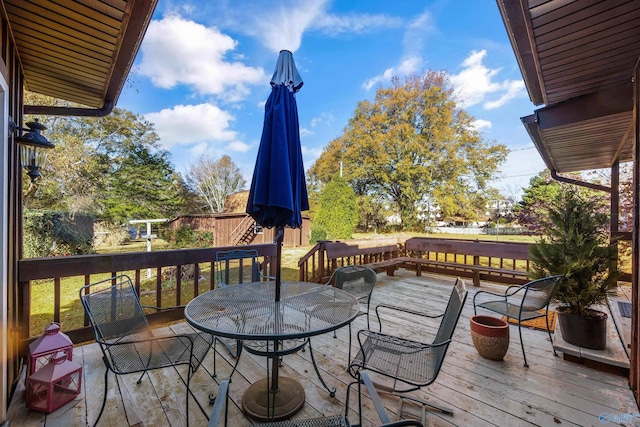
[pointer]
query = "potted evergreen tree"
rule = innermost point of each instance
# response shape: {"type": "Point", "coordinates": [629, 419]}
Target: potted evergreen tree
{"type": "Point", "coordinates": [575, 243]}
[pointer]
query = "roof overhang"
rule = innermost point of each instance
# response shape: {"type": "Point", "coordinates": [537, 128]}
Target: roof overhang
{"type": "Point", "coordinates": [588, 132]}
{"type": "Point", "coordinates": [79, 51]}
{"type": "Point", "coordinates": [578, 59]}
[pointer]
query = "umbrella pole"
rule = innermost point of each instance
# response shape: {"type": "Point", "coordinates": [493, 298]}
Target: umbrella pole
{"type": "Point", "coordinates": [276, 360]}
{"type": "Point", "coordinates": [278, 242]}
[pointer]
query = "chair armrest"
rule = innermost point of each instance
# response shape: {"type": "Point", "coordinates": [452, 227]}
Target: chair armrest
{"type": "Point", "coordinates": [222, 401]}
{"type": "Point", "coordinates": [493, 294]}
{"type": "Point", "coordinates": [262, 276]}
{"type": "Point", "coordinates": [150, 339]}
{"type": "Point", "coordinates": [405, 310]}
{"type": "Point", "coordinates": [162, 308]}
{"type": "Point", "coordinates": [380, 409]}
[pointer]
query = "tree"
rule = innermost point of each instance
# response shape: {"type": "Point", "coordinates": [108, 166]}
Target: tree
{"type": "Point", "coordinates": [530, 210]}
{"type": "Point", "coordinates": [337, 213]}
{"type": "Point", "coordinates": [543, 188]}
{"type": "Point", "coordinates": [412, 143]}
{"type": "Point", "coordinates": [110, 166]}
{"type": "Point", "coordinates": [214, 179]}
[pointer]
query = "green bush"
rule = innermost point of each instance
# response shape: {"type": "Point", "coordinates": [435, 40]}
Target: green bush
{"type": "Point", "coordinates": [186, 237]}
{"type": "Point", "coordinates": [317, 234]}
{"type": "Point", "coordinates": [337, 211]}
{"type": "Point", "coordinates": [50, 233]}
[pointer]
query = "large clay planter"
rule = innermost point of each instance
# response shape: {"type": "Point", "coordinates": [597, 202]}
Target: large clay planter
{"type": "Point", "coordinates": [490, 336]}
{"type": "Point", "coordinates": [584, 331]}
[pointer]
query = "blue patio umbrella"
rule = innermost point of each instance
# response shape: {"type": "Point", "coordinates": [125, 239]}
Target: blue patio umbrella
{"type": "Point", "coordinates": [278, 192]}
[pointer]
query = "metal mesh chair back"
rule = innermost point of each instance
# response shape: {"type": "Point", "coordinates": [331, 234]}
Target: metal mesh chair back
{"type": "Point", "coordinates": [539, 292]}
{"type": "Point", "coordinates": [121, 329]}
{"type": "Point", "coordinates": [358, 280]}
{"type": "Point", "coordinates": [237, 266]}
{"type": "Point", "coordinates": [114, 310]}
{"type": "Point", "coordinates": [452, 313]}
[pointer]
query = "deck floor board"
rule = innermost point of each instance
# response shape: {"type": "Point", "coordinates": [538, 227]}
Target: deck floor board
{"type": "Point", "coordinates": [482, 392]}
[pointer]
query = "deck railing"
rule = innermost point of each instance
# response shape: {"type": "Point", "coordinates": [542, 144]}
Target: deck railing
{"type": "Point", "coordinates": [318, 264]}
{"type": "Point", "coordinates": [48, 287]}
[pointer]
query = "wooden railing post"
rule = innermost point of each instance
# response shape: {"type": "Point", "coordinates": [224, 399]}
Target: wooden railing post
{"type": "Point", "coordinates": [322, 253]}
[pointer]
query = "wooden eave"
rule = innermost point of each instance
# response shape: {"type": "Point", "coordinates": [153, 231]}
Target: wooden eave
{"type": "Point", "coordinates": [577, 58]}
{"type": "Point", "coordinates": [80, 51]}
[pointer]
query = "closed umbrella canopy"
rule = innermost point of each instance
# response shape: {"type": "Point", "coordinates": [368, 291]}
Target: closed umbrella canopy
{"type": "Point", "coordinates": [278, 192]}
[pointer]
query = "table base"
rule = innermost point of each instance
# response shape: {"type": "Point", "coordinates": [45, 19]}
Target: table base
{"type": "Point", "coordinates": [289, 398]}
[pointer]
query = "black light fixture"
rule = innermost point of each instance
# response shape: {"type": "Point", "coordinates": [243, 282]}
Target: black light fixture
{"type": "Point", "coordinates": [33, 149]}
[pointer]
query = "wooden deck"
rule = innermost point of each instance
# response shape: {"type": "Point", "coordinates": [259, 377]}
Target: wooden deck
{"type": "Point", "coordinates": [551, 392]}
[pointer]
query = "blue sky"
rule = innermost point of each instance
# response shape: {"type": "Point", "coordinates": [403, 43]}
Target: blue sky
{"type": "Point", "coordinates": [203, 69]}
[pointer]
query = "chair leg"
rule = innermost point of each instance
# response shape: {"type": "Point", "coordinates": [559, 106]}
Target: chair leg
{"type": "Point", "coordinates": [213, 347]}
{"type": "Point", "coordinates": [332, 392]}
{"type": "Point", "coordinates": [188, 392]}
{"type": "Point", "coordinates": [228, 343]}
{"type": "Point", "coordinates": [550, 338]}
{"type": "Point", "coordinates": [235, 366]}
{"type": "Point", "coordinates": [526, 365]}
{"type": "Point", "coordinates": [104, 399]}
{"type": "Point", "coordinates": [349, 359]}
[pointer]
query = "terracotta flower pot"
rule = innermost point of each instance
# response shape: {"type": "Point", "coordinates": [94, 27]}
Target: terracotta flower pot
{"type": "Point", "coordinates": [490, 336]}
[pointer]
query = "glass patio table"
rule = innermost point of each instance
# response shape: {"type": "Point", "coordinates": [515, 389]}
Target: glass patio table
{"type": "Point", "coordinates": [249, 312]}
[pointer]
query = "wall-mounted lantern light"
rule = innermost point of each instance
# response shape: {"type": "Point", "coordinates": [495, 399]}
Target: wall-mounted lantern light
{"type": "Point", "coordinates": [33, 149]}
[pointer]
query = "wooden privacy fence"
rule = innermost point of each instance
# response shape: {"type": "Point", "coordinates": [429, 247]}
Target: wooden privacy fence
{"type": "Point", "coordinates": [179, 276]}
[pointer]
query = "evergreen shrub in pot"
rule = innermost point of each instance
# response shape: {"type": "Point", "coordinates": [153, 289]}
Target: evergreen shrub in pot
{"type": "Point", "coordinates": [575, 243]}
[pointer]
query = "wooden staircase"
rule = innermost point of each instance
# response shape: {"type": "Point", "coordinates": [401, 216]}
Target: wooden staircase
{"type": "Point", "coordinates": [244, 232]}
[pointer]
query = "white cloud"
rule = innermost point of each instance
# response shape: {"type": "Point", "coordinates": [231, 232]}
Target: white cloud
{"type": "Point", "coordinates": [415, 36]}
{"type": "Point", "coordinates": [284, 24]}
{"type": "Point", "coordinates": [354, 23]}
{"type": "Point", "coordinates": [514, 88]}
{"type": "Point", "coordinates": [191, 124]}
{"type": "Point", "coordinates": [324, 118]}
{"type": "Point", "coordinates": [305, 132]}
{"type": "Point", "coordinates": [239, 146]}
{"type": "Point", "coordinates": [177, 51]}
{"type": "Point", "coordinates": [406, 67]}
{"type": "Point", "coordinates": [310, 155]}
{"type": "Point", "coordinates": [480, 124]}
{"type": "Point", "coordinates": [476, 82]}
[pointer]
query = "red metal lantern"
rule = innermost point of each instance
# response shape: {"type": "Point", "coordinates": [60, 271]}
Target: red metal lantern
{"type": "Point", "coordinates": [41, 350]}
{"type": "Point", "coordinates": [58, 382]}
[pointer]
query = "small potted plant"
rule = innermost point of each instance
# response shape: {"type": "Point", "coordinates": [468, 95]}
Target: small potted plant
{"type": "Point", "coordinates": [575, 243]}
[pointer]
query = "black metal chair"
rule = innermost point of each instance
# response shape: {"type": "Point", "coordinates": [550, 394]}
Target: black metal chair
{"type": "Point", "coordinates": [238, 266]}
{"type": "Point", "coordinates": [410, 364]}
{"type": "Point", "coordinates": [222, 402]}
{"type": "Point", "coordinates": [359, 281]}
{"type": "Point", "coordinates": [234, 267]}
{"type": "Point", "coordinates": [535, 296]}
{"type": "Point", "coordinates": [127, 342]}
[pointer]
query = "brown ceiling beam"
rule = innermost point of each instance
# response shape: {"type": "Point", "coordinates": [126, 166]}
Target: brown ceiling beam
{"type": "Point", "coordinates": [515, 15]}
{"type": "Point", "coordinates": [615, 100]}
{"type": "Point", "coordinates": [137, 19]}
